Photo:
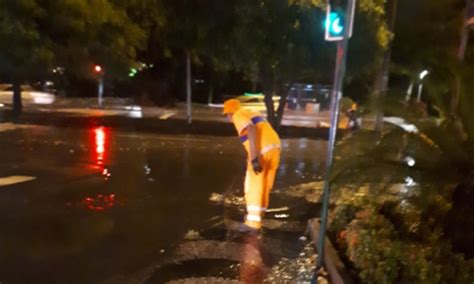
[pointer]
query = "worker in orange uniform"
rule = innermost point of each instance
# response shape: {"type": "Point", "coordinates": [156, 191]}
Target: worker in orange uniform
{"type": "Point", "coordinates": [263, 148]}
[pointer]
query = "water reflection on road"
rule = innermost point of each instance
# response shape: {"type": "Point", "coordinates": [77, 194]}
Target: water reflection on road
{"type": "Point", "coordinates": [302, 160]}
{"type": "Point", "coordinates": [107, 201]}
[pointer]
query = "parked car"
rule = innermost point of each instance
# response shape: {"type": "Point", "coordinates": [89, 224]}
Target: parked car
{"type": "Point", "coordinates": [29, 95]}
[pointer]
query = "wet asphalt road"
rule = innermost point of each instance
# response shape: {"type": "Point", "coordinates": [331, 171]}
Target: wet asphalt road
{"type": "Point", "coordinates": [105, 202]}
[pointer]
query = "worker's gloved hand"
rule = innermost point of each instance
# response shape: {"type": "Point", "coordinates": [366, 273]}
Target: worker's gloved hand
{"type": "Point", "coordinates": [257, 168]}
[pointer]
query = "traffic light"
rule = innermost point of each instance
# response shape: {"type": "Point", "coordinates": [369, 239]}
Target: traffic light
{"type": "Point", "coordinates": [133, 72]}
{"type": "Point", "coordinates": [335, 23]}
{"type": "Point", "coordinates": [97, 68]}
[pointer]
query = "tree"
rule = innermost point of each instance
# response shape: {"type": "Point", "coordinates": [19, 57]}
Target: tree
{"type": "Point", "coordinates": [25, 52]}
{"type": "Point", "coordinates": [277, 43]}
{"type": "Point", "coordinates": [191, 28]}
{"type": "Point", "coordinates": [409, 190]}
{"type": "Point", "coordinates": [36, 35]}
{"type": "Point", "coordinates": [273, 43]}
{"type": "Point", "coordinates": [427, 33]}
{"type": "Point", "coordinates": [95, 32]}
{"type": "Point", "coordinates": [433, 44]}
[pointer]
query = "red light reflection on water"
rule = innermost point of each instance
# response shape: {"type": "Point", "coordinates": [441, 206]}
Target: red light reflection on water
{"type": "Point", "coordinates": [99, 139]}
{"type": "Point", "coordinates": [98, 203]}
{"type": "Point", "coordinates": [100, 143]}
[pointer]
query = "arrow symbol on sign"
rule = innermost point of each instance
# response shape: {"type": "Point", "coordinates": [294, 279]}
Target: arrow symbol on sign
{"type": "Point", "coordinates": [336, 26]}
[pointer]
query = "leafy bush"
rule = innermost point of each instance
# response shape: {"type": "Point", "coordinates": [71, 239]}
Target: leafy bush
{"type": "Point", "coordinates": [382, 255]}
{"type": "Point", "coordinates": [391, 228]}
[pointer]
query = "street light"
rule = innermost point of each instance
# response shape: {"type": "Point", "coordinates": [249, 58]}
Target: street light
{"type": "Point", "coordinates": [100, 88]}
{"type": "Point", "coordinates": [420, 87]}
{"type": "Point", "coordinates": [423, 74]}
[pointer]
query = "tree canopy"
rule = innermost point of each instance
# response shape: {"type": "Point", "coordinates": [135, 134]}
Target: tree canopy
{"type": "Point", "coordinates": [74, 34]}
{"type": "Point", "coordinates": [22, 45]}
{"type": "Point", "coordinates": [279, 42]}
{"type": "Point", "coordinates": [272, 43]}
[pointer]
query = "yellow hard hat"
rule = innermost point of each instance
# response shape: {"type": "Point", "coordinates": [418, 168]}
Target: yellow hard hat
{"type": "Point", "coordinates": [231, 106]}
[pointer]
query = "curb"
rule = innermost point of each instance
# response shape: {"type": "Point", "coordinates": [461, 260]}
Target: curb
{"type": "Point", "coordinates": [333, 264]}
{"type": "Point", "coordinates": [155, 125]}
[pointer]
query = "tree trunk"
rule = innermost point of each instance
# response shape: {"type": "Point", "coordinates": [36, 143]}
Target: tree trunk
{"type": "Point", "coordinates": [275, 117]}
{"type": "Point", "coordinates": [283, 94]}
{"type": "Point", "coordinates": [383, 77]}
{"type": "Point", "coordinates": [17, 103]}
{"type": "Point", "coordinates": [271, 87]}
{"type": "Point", "coordinates": [270, 107]}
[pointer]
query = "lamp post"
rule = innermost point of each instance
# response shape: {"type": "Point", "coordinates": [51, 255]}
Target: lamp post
{"type": "Point", "coordinates": [420, 87]}
{"type": "Point", "coordinates": [100, 88]}
{"type": "Point", "coordinates": [188, 88]}
{"type": "Point", "coordinates": [468, 24]}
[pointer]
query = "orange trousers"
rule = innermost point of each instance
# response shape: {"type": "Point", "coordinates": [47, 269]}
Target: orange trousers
{"type": "Point", "coordinates": [258, 187]}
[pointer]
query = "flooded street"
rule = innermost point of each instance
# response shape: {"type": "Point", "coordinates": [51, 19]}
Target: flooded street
{"type": "Point", "coordinates": [96, 202]}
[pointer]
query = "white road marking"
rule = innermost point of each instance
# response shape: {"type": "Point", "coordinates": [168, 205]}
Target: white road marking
{"type": "Point", "coordinates": [167, 115]}
{"type": "Point", "coordinates": [15, 179]}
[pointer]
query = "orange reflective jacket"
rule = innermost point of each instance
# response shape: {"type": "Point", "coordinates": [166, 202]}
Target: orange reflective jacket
{"type": "Point", "coordinates": [266, 140]}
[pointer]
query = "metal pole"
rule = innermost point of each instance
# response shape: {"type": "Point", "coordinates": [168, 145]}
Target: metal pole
{"type": "Point", "coordinates": [461, 54]}
{"type": "Point", "coordinates": [100, 91]}
{"type": "Point", "coordinates": [336, 95]}
{"type": "Point", "coordinates": [299, 95]}
{"type": "Point", "coordinates": [462, 48]}
{"type": "Point", "coordinates": [420, 89]}
{"type": "Point", "coordinates": [464, 35]}
{"type": "Point", "coordinates": [409, 92]}
{"type": "Point", "coordinates": [188, 87]}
